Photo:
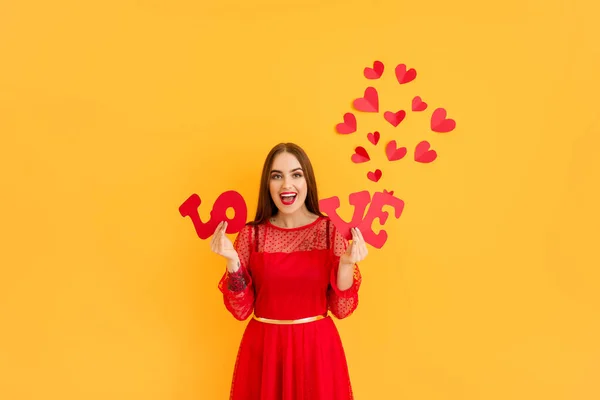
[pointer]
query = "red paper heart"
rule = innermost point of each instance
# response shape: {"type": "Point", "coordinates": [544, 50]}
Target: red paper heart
{"type": "Point", "coordinates": [375, 72]}
{"type": "Point", "coordinates": [374, 176]}
{"type": "Point", "coordinates": [360, 155]}
{"type": "Point", "coordinates": [423, 154]}
{"type": "Point", "coordinates": [394, 153]}
{"type": "Point", "coordinates": [403, 75]}
{"type": "Point", "coordinates": [394, 118]}
{"type": "Point", "coordinates": [368, 103]}
{"type": "Point", "coordinates": [390, 192]}
{"type": "Point", "coordinates": [418, 104]}
{"type": "Point", "coordinates": [373, 137]}
{"type": "Point", "coordinates": [439, 122]}
{"type": "Point", "coordinates": [348, 126]}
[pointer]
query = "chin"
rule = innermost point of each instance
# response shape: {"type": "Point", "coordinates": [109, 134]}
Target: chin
{"type": "Point", "coordinates": [287, 211]}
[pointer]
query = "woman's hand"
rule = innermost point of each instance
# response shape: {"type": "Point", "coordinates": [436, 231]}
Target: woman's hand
{"type": "Point", "coordinates": [357, 251]}
{"type": "Point", "coordinates": [221, 245]}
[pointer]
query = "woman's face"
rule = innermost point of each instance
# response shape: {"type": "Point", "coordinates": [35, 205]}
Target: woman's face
{"type": "Point", "coordinates": [287, 183]}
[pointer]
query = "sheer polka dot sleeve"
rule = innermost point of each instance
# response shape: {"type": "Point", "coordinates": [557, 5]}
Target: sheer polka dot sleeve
{"type": "Point", "coordinates": [341, 303]}
{"type": "Point", "coordinates": [237, 288]}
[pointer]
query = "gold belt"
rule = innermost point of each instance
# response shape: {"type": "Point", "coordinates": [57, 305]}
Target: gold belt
{"type": "Point", "coordinates": [289, 321]}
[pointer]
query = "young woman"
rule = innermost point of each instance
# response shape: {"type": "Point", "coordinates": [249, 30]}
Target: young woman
{"type": "Point", "coordinates": [290, 267]}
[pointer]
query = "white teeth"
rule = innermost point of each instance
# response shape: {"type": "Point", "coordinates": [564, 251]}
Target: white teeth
{"type": "Point", "coordinates": [288, 196]}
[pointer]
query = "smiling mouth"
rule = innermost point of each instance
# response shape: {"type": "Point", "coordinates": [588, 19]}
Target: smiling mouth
{"type": "Point", "coordinates": [288, 199]}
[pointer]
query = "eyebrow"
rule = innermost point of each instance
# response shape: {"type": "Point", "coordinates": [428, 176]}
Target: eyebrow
{"type": "Point", "coordinates": [294, 170]}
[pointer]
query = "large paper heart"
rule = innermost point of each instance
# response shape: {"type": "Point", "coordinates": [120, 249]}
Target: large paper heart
{"type": "Point", "coordinates": [348, 126]}
{"type": "Point", "coordinates": [418, 104]}
{"type": "Point", "coordinates": [423, 154]}
{"type": "Point", "coordinates": [439, 122]}
{"type": "Point", "coordinates": [360, 155]}
{"type": "Point", "coordinates": [375, 72]}
{"type": "Point", "coordinates": [374, 137]}
{"type": "Point", "coordinates": [394, 153]}
{"type": "Point", "coordinates": [374, 176]}
{"type": "Point", "coordinates": [368, 103]}
{"type": "Point", "coordinates": [394, 118]}
{"type": "Point", "coordinates": [403, 75]}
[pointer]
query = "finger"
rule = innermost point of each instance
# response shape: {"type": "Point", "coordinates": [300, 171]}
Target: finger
{"type": "Point", "coordinates": [363, 244]}
{"type": "Point", "coordinates": [213, 241]}
{"type": "Point", "coordinates": [222, 227]}
{"type": "Point", "coordinates": [219, 236]}
{"type": "Point", "coordinates": [214, 235]}
{"type": "Point", "coordinates": [354, 242]}
{"type": "Point", "coordinates": [360, 235]}
{"type": "Point", "coordinates": [213, 245]}
{"type": "Point", "coordinates": [349, 242]}
{"type": "Point", "coordinates": [225, 225]}
{"type": "Point", "coordinates": [354, 236]}
{"type": "Point", "coordinates": [356, 253]}
{"type": "Point", "coordinates": [216, 239]}
{"type": "Point", "coordinates": [358, 240]}
{"type": "Point", "coordinates": [217, 230]}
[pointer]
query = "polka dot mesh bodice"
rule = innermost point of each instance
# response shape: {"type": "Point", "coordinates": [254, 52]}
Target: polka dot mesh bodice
{"type": "Point", "coordinates": [289, 273]}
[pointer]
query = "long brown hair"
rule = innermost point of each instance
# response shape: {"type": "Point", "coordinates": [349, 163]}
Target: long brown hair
{"type": "Point", "coordinates": [266, 208]}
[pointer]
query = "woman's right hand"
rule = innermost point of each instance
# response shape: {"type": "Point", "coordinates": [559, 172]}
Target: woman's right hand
{"type": "Point", "coordinates": [221, 245]}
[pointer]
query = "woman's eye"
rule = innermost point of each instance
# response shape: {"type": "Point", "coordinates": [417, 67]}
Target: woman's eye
{"type": "Point", "coordinates": [275, 176]}
{"type": "Point", "coordinates": [298, 175]}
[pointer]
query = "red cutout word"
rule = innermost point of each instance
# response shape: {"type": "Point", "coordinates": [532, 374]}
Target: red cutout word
{"type": "Point", "coordinates": [329, 206]}
{"type": "Point", "coordinates": [229, 199]}
{"type": "Point", "coordinates": [363, 221]}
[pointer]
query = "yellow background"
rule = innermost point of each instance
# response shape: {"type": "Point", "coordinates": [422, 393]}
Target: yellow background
{"type": "Point", "coordinates": [113, 113]}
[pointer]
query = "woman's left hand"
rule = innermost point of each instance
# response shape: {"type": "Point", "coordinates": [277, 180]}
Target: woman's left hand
{"type": "Point", "coordinates": [357, 251]}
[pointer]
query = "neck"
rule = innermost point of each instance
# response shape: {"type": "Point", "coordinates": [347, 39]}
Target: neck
{"type": "Point", "coordinates": [300, 218]}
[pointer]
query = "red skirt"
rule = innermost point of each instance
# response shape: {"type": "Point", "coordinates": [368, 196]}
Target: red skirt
{"type": "Point", "coordinates": [291, 362]}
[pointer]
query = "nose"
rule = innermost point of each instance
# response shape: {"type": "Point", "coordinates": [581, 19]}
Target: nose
{"type": "Point", "coordinates": [287, 183]}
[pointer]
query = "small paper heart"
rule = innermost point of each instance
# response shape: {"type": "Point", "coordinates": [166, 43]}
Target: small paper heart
{"type": "Point", "coordinates": [374, 137]}
{"type": "Point", "coordinates": [374, 176]}
{"type": "Point", "coordinates": [391, 192]}
{"type": "Point", "coordinates": [348, 126]}
{"type": "Point", "coordinates": [403, 75]}
{"type": "Point", "coordinates": [423, 154]}
{"type": "Point", "coordinates": [418, 104]}
{"type": "Point", "coordinates": [394, 118]}
{"type": "Point", "coordinates": [439, 122]}
{"type": "Point", "coordinates": [360, 155]}
{"type": "Point", "coordinates": [394, 153]}
{"type": "Point", "coordinates": [375, 72]}
{"type": "Point", "coordinates": [368, 103]}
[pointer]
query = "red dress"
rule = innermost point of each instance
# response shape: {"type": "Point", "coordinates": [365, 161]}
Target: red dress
{"type": "Point", "coordinates": [290, 274]}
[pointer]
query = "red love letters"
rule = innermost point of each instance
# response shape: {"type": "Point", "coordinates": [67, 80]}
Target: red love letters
{"type": "Point", "coordinates": [229, 199]}
{"type": "Point", "coordinates": [360, 201]}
